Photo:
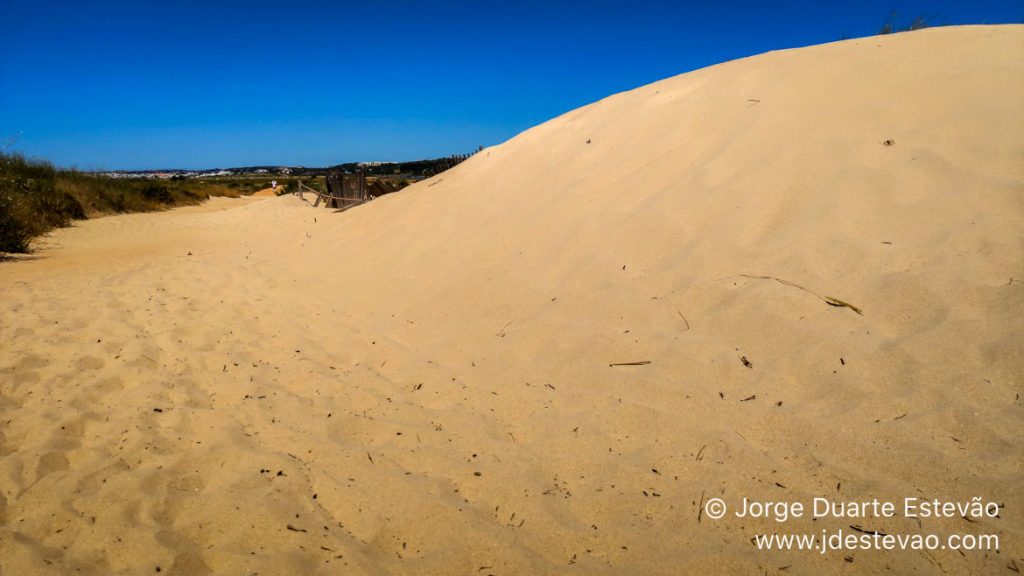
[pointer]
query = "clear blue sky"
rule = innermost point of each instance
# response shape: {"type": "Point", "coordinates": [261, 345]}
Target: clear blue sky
{"type": "Point", "coordinates": [131, 85]}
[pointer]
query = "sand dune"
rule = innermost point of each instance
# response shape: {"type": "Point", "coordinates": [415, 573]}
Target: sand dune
{"type": "Point", "coordinates": [264, 192]}
{"type": "Point", "coordinates": [424, 384]}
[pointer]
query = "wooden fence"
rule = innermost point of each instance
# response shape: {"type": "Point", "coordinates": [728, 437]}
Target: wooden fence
{"type": "Point", "coordinates": [453, 161]}
{"type": "Point", "coordinates": [343, 191]}
{"type": "Point", "coordinates": [347, 190]}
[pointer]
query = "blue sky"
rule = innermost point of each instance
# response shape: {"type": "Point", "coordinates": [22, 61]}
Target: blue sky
{"type": "Point", "coordinates": [133, 85]}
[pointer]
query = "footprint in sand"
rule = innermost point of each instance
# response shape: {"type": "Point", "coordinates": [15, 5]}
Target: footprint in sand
{"type": "Point", "coordinates": [63, 440]}
{"type": "Point", "coordinates": [191, 563]}
{"type": "Point", "coordinates": [89, 363]}
{"type": "Point", "coordinates": [31, 362]}
{"type": "Point", "coordinates": [24, 371]}
{"type": "Point", "coordinates": [5, 448]}
{"type": "Point", "coordinates": [49, 463]}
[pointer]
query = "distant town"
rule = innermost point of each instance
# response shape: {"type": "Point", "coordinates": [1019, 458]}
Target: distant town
{"type": "Point", "coordinates": [413, 169]}
{"type": "Point", "coordinates": [180, 174]}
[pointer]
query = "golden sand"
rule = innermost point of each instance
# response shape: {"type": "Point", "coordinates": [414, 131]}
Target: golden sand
{"type": "Point", "coordinates": [544, 360]}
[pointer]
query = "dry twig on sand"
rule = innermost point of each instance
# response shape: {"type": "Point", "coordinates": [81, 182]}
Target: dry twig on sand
{"type": "Point", "coordinates": [501, 333]}
{"type": "Point", "coordinates": [684, 319]}
{"type": "Point", "coordinates": [826, 299]}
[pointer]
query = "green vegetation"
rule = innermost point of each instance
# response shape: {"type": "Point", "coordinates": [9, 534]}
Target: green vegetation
{"type": "Point", "coordinates": [416, 169]}
{"type": "Point", "coordinates": [35, 197]}
{"type": "Point", "coordinates": [917, 23]}
{"type": "Point", "coordinates": [291, 186]}
{"type": "Point", "coordinates": [228, 186]}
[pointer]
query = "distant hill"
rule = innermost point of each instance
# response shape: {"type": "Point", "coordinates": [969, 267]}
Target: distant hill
{"type": "Point", "coordinates": [413, 169]}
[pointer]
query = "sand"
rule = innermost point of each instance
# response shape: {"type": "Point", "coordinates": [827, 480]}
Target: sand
{"type": "Point", "coordinates": [265, 193]}
{"type": "Point", "coordinates": [423, 384]}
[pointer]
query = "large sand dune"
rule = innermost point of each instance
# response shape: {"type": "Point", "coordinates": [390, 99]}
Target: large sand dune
{"type": "Point", "coordinates": [422, 385]}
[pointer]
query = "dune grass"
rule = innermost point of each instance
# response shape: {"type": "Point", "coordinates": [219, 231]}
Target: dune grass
{"type": "Point", "coordinates": [35, 197]}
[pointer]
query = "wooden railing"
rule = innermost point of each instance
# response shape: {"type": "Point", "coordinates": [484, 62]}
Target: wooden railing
{"type": "Point", "coordinates": [343, 191]}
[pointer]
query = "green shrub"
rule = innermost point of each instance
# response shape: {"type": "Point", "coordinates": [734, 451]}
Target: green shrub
{"type": "Point", "coordinates": [157, 194]}
{"type": "Point", "coordinates": [35, 197]}
{"type": "Point", "coordinates": [29, 202]}
{"type": "Point", "coordinates": [14, 229]}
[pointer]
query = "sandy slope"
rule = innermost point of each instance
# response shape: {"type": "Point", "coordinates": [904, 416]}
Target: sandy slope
{"type": "Point", "coordinates": [422, 384]}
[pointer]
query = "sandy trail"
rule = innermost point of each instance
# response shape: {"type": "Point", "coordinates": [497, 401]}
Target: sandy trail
{"type": "Point", "coordinates": [422, 385]}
